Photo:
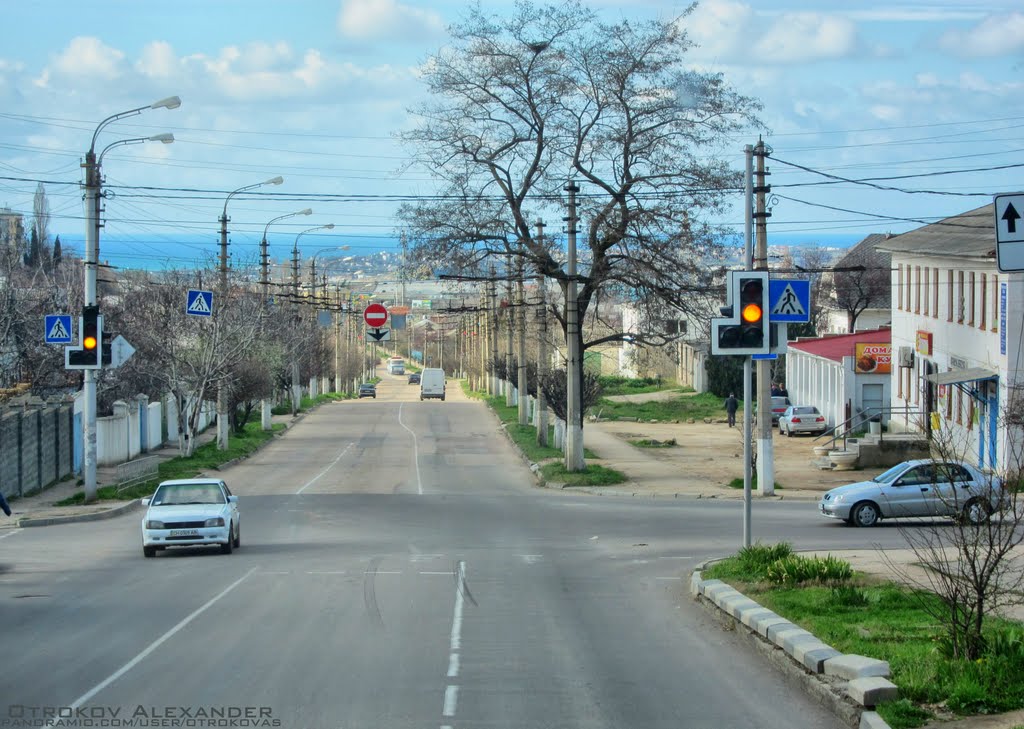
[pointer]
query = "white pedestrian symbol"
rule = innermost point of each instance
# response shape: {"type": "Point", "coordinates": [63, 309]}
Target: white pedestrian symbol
{"type": "Point", "coordinates": [789, 303]}
{"type": "Point", "coordinates": [57, 331]}
{"type": "Point", "coordinates": [199, 305]}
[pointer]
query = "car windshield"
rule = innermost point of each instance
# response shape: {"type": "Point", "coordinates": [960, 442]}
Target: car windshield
{"type": "Point", "coordinates": [176, 494]}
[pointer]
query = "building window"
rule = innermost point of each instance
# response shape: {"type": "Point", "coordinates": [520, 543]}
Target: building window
{"type": "Point", "coordinates": [917, 289]}
{"type": "Point", "coordinates": [960, 297]}
{"type": "Point", "coordinates": [899, 286]}
{"type": "Point", "coordinates": [995, 303]}
{"type": "Point", "coordinates": [970, 413]}
{"type": "Point", "coordinates": [983, 300]}
{"type": "Point", "coordinates": [926, 279]}
{"type": "Point", "coordinates": [949, 295]}
{"type": "Point", "coordinates": [935, 293]}
{"type": "Point", "coordinates": [959, 406]}
{"type": "Point", "coordinates": [971, 299]}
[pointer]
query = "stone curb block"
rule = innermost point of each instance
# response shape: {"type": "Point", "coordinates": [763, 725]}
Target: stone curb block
{"type": "Point", "coordinates": [695, 583]}
{"type": "Point", "coordinates": [872, 691]}
{"type": "Point", "coordinates": [851, 666]}
{"type": "Point", "coordinates": [763, 624]}
{"type": "Point", "coordinates": [751, 618]}
{"type": "Point", "coordinates": [707, 585]}
{"type": "Point", "coordinates": [791, 639]}
{"type": "Point", "coordinates": [778, 633]}
{"type": "Point", "coordinates": [736, 606]}
{"type": "Point", "coordinates": [871, 720]}
{"type": "Point", "coordinates": [814, 657]}
{"type": "Point", "coordinates": [722, 596]}
{"type": "Point", "coordinates": [73, 518]}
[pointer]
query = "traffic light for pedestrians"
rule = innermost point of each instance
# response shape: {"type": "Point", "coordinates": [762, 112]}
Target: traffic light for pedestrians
{"type": "Point", "coordinates": [87, 355]}
{"type": "Point", "coordinates": [744, 328]}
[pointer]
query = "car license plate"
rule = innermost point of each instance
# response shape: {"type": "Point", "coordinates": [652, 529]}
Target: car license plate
{"type": "Point", "coordinates": [184, 533]}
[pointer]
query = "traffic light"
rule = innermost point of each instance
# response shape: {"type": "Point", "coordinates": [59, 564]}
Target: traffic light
{"type": "Point", "coordinates": [87, 355]}
{"type": "Point", "coordinates": [744, 328]}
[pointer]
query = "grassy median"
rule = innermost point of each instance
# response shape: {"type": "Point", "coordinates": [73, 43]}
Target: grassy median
{"type": "Point", "coordinates": [855, 614]}
{"type": "Point", "coordinates": [682, 407]}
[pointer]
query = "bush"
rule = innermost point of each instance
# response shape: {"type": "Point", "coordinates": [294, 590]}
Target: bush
{"type": "Point", "coordinates": [848, 596]}
{"type": "Point", "coordinates": [794, 570]}
{"type": "Point", "coordinates": [757, 558]}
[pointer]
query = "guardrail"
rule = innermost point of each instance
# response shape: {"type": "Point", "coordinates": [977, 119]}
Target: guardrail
{"type": "Point", "coordinates": [138, 471]}
{"type": "Point", "coordinates": [848, 426]}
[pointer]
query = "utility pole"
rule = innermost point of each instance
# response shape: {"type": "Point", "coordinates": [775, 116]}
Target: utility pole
{"type": "Point", "coordinates": [765, 454]}
{"type": "Point", "coordinates": [520, 312]}
{"type": "Point", "coordinates": [296, 387]}
{"type": "Point", "coordinates": [222, 386]}
{"type": "Point", "coordinates": [92, 252]}
{"type": "Point", "coordinates": [542, 351]}
{"type": "Point", "coordinates": [493, 331]}
{"type": "Point", "coordinates": [509, 329]}
{"type": "Point", "coordinates": [748, 262]}
{"type": "Point", "coordinates": [574, 405]}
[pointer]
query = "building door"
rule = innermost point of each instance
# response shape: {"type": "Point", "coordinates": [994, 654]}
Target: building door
{"type": "Point", "coordinates": [871, 400]}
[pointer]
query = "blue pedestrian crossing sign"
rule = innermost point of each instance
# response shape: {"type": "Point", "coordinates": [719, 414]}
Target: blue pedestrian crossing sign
{"type": "Point", "coordinates": [789, 301]}
{"type": "Point", "coordinates": [199, 303]}
{"type": "Point", "coordinates": [57, 329]}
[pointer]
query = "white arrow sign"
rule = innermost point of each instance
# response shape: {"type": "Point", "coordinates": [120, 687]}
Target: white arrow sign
{"type": "Point", "coordinates": [120, 351]}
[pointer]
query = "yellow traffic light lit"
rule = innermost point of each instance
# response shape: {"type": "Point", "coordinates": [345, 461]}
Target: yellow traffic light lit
{"type": "Point", "coordinates": [751, 313]}
{"type": "Point", "coordinates": [89, 342]}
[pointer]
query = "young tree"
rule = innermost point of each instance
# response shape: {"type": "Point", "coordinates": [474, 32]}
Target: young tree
{"type": "Point", "coordinates": [523, 103]}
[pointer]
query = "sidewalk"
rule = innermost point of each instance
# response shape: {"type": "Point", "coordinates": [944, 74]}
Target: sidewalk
{"type": "Point", "coordinates": [40, 508]}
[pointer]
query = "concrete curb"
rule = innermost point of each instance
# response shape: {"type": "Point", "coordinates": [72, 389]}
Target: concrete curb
{"type": "Point", "coordinates": [849, 685]}
{"type": "Point", "coordinates": [74, 518]}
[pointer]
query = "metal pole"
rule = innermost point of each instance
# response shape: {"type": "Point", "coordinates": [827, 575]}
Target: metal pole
{"type": "Point", "coordinates": [748, 261]}
{"type": "Point", "coordinates": [574, 406]}
{"type": "Point", "coordinates": [92, 251]}
{"type": "Point", "coordinates": [520, 312]}
{"type": "Point", "coordinates": [542, 352]}
{"type": "Point", "coordinates": [765, 454]}
{"type": "Point", "coordinates": [222, 388]}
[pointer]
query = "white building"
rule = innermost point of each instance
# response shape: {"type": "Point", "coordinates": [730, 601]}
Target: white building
{"type": "Point", "coordinates": [950, 335]}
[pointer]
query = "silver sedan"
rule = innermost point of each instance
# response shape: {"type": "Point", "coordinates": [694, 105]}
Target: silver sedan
{"type": "Point", "coordinates": [915, 489]}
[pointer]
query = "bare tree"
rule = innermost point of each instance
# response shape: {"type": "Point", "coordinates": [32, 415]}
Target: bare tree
{"type": "Point", "coordinates": [41, 222]}
{"type": "Point", "coordinates": [522, 103]}
{"type": "Point", "coordinates": [863, 280]}
{"type": "Point", "coordinates": [973, 565]}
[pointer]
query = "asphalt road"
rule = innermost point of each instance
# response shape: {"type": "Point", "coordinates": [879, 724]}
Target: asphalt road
{"type": "Point", "coordinates": [399, 569]}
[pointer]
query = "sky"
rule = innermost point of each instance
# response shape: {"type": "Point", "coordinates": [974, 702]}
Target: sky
{"type": "Point", "coordinates": [924, 97]}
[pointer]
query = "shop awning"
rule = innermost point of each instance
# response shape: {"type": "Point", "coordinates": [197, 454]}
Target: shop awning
{"type": "Point", "coordinates": [953, 377]}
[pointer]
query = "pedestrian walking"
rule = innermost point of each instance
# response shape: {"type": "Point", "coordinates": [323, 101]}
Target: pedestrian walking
{"type": "Point", "coordinates": [4, 505]}
{"type": "Point", "coordinates": [731, 404]}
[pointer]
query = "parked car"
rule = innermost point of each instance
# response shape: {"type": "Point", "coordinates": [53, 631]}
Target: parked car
{"type": "Point", "coordinates": [432, 384]}
{"type": "Point", "coordinates": [368, 389]}
{"type": "Point", "coordinates": [779, 405]}
{"type": "Point", "coordinates": [914, 489]}
{"type": "Point", "coordinates": [802, 419]}
{"type": "Point", "coordinates": [414, 378]}
{"type": "Point", "coordinates": [189, 513]}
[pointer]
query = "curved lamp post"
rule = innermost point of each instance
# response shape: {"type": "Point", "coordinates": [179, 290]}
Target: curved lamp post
{"type": "Point", "coordinates": [296, 387]}
{"type": "Point", "coordinates": [92, 253]}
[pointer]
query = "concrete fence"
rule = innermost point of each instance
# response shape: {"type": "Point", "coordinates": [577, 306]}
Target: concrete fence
{"type": "Point", "coordinates": [36, 445]}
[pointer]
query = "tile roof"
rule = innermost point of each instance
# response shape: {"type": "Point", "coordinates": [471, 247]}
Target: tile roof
{"type": "Point", "coordinates": [969, 235]}
{"type": "Point", "coordinates": [842, 345]}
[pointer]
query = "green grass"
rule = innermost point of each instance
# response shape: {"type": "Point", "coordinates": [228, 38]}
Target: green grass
{"type": "Point", "coordinates": [683, 407]}
{"type": "Point", "coordinates": [888, 622]}
{"type": "Point", "coordinates": [616, 385]}
{"type": "Point", "coordinates": [591, 475]}
{"type": "Point", "coordinates": [737, 483]}
{"type": "Point", "coordinates": [204, 458]}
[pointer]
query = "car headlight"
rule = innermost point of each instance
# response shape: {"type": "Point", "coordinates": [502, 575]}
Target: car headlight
{"type": "Point", "coordinates": [154, 524]}
{"type": "Point", "coordinates": [218, 521]}
{"type": "Point", "coordinates": [837, 498]}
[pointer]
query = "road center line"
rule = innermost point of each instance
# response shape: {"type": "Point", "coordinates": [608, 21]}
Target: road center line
{"type": "Point", "coordinates": [453, 665]}
{"type": "Point", "coordinates": [451, 700]}
{"type": "Point", "coordinates": [317, 477]}
{"type": "Point", "coordinates": [155, 644]}
{"type": "Point", "coordinates": [415, 450]}
{"type": "Point", "coordinates": [451, 692]}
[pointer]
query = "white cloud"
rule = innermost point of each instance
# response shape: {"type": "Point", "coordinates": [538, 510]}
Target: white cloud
{"type": "Point", "coordinates": [995, 36]}
{"type": "Point", "coordinates": [387, 20]}
{"type": "Point", "coordinates": [728, 30]}
{"type": "Point", "coordinates": [88, 56]}
{"type": "Point", "coordinates": [157, 60]}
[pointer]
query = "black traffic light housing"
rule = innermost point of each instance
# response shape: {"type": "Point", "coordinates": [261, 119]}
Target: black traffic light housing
{"type": "Point", "coordinates": [88, 353]}
{"type": "Point", "coordinates": [744, 328]}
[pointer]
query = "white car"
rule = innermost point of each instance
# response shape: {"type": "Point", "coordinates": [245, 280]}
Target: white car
{"type": "Point", "coordinates": [190, 513]}
{"type": "Point", "coordinates": [914, 489]}
{"type": "Point", "coordinates": [802, 419]}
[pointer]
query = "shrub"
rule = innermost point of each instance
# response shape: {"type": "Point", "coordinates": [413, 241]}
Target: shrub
{"type": "Point", "coordinates": [794, 570]}
{"type": "Point", "coordinates": [848, 596]}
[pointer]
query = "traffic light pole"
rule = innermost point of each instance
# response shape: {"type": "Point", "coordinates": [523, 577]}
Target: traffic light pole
{"type": "Point", "coordinates": [765, 454]}
{"type": "Point", "coordinates": [748, 251]}
{"type": "Point", "coordinates": [92, 237]}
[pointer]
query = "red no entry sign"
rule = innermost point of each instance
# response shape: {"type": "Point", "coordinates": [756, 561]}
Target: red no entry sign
{"type": "Point", "coordinates": [375, 315]}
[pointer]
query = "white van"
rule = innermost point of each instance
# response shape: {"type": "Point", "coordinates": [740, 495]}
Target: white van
{"type": "Point", "coordinates": [432, 383]}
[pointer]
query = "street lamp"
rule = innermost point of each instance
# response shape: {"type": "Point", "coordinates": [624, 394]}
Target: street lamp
{"type": "Point", "coordinates": [92, 253]}
{"type": "Point", "coordinates": [296, 388]}
{"type": "Point", "coordinates": [337, 315]}
{"type": "Point", "coordinates": [222, 392]}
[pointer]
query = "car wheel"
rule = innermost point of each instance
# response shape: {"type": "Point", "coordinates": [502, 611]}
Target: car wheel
{"type": "Point", "coordinates": [238, 537]}
{"type": "Point", "coordinates": [782, 431]}
{"type": "Point", "coordinates": [976, 512]}
{"type": "Point", "coordinates": [864, 514]}
{"type": "Point", "coordinates": [442, 398]}
{"type": "Point", "coordinates": [226, 548]}
{"type": "Point", "coordinates": [149, 551]}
